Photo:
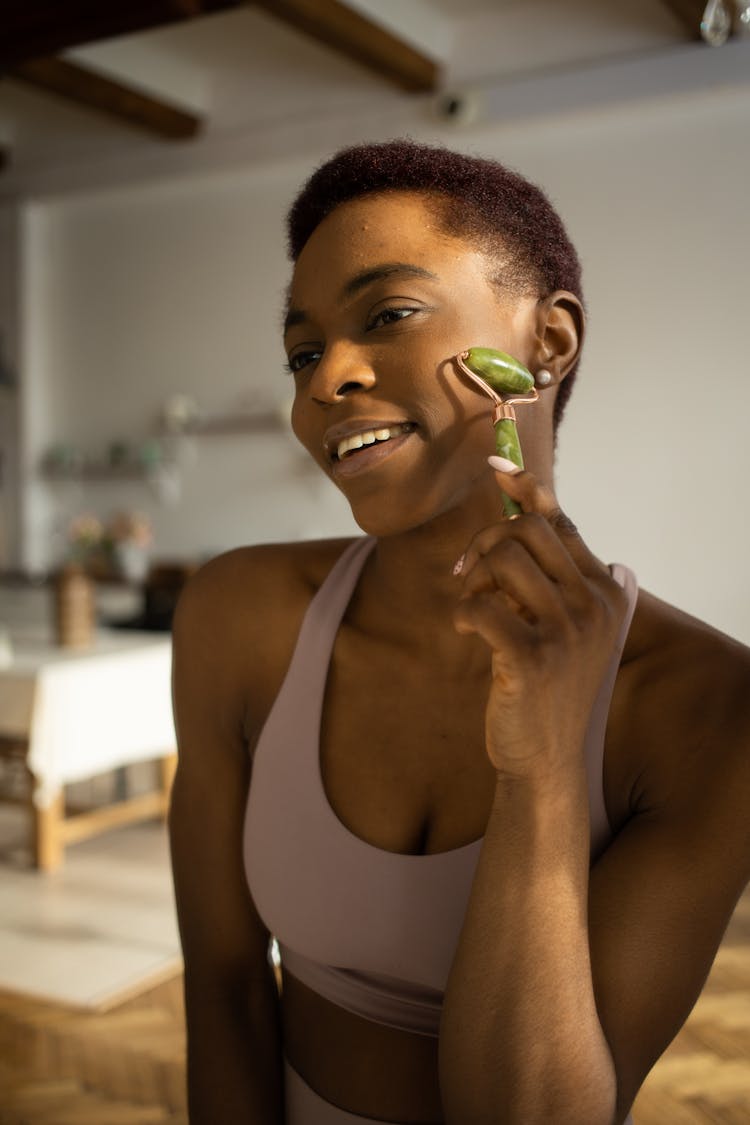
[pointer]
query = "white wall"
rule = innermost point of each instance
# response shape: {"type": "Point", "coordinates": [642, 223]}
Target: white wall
{"type": "Point", "coordinates": [9, 398]}
{"type": "Point", "coordinates": [178, 287]}
{"type": "Point", "coordinates": [141, 295]}
{"type": "Point", "coordinates": [654, 452]}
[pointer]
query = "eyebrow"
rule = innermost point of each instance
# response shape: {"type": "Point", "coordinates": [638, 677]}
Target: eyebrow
{"type": "Point", "coordinates": [361, 280]}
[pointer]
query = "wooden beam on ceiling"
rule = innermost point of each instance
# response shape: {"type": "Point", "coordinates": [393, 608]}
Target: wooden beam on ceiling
{"type": "Point", "coordinates": [336, 25]}
{"type": "Point", "coordinates": [91, 89]}
{"type": "Point", "coordinates": [33, 29]}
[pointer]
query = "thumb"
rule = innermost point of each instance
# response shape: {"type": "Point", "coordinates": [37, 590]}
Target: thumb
{"type": "Point", "coordinates": [536, 497]}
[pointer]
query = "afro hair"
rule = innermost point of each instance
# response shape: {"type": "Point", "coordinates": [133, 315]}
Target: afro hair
{"type": "Point", "coordinates": [503, 213]}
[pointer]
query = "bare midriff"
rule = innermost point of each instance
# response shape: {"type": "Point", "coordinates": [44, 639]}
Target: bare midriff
{"type": "Point", "coordinates": [358, 1065]}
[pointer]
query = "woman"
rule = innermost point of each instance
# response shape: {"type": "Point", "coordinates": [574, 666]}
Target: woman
{"type": "Point", "coordinates": [497, 812]}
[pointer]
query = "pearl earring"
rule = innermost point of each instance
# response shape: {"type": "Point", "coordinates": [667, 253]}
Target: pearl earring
{"type": "Point", "coordinates": [544, 377]}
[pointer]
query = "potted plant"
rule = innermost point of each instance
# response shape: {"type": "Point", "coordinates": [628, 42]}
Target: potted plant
{"type": "Point", "coordinates": [130, 535]}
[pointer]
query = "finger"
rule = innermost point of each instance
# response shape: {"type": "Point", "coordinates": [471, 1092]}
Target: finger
{"type": "Point", "coordinates": [534, 496]}
{"type": "Point", "coordinates": [528, 491]}
{"type": "Point", "coordinates": [491, 618]}
{"type": "Point", "coordinates": [511, 569]}
{"type": "Point", "coordinates": [540, 541]}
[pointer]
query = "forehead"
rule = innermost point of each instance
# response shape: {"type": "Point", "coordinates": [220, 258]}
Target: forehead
{"type": "Point", "coordinates": [392, 226]}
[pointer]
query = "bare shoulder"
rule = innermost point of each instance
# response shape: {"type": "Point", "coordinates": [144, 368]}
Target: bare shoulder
{"type": "Point", "coordinates": [245, 608]}
{"type": "Point", "coordinates": [262, 580]}
{"type": "Point", "coordinates": [691, 672]}
{"type": "Point", "coordinates": [681, 710]}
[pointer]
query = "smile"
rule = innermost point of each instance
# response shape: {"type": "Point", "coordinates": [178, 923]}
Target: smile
{"type": "Point", "coordinates": [354, 442]}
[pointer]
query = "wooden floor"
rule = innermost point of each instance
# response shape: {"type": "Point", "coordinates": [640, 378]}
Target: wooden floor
{"type": "Point", "coordinates": [126, 1067]}
{"type": "Point", "coordinates": [704, 1076]}
{"type": "Point", "coordinates": [60, 1066]}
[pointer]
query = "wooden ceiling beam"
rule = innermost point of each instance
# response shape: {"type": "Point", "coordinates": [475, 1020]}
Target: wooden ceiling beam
{"type": "Point", "coordinates": [88, 88]}
{"type": "Point", "coordinates": [34, 29]}
{"type": "Point", "coordinates": [336, 25]}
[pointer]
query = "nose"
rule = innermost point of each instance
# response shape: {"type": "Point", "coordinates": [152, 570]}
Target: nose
{"type": "Point", "coordinates": [341, 371]}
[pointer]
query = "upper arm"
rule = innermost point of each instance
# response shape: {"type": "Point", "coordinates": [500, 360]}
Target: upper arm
{"type": "Point", "coordinates": [221, 932]}
{"type": "Point", "coordinates": [662, 894]}
{"type": "Point", "coordinates": [225, 659]}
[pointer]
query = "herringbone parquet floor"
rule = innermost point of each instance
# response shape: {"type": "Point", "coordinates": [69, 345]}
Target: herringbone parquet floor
{"type": "Point", "coordinates": [61, 1066]}
{"type": "Point", "coordinates": [704, 1076]}
{"type": "Point", "coordinates": [126, 1067]}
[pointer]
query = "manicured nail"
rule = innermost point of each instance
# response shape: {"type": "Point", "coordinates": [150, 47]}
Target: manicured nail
{"type": "Point", "coordinates": [458, 567]}
{"type": "Point", "coordinates": [503, 464]}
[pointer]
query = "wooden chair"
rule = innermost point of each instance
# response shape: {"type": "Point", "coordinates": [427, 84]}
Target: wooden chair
{"type": "Point", "coordinates": [53, 827]}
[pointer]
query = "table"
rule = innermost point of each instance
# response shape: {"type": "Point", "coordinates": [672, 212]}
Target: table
{"type": "Point", "coordinates": [73, 714]}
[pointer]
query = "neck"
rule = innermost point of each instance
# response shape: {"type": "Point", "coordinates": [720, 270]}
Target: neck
{"type": "Point", "coordinates": [412, 572]}
{"type": "Point", "coordinates": [407, 595]}
{"type": "Point", "coordinates": [417, 564]}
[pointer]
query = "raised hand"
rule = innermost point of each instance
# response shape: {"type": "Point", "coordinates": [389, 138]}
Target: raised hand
{"type": "Point", "coordinates": [550, 612]}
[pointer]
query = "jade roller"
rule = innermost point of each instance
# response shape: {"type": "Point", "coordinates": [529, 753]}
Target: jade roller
{"type": "Point", "coordinates": [502, 378]}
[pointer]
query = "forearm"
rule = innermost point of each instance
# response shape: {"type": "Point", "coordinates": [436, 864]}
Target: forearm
{"type": "Point", "coordinates": [521, 1040]}
{"type": "Point", "coordinates": [234, 1070]}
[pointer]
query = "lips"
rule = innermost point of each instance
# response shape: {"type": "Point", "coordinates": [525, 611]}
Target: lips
{"type": "Point", "coordinates": [346, 439]}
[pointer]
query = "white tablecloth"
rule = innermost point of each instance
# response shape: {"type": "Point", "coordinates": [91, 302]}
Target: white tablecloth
{"type": "Point", "coordinates": [87, 711]}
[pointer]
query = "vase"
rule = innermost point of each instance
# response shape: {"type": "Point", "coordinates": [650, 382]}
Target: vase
{"type": "Point", "coordinates": [132, 561]}
{"type": "Point", "coordinates": [74, 607]}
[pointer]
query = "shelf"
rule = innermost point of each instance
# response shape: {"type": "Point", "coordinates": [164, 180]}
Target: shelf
{"type": "Point", "coordinates": [259, 422]}
{"type": "Point", "coordinates": [101, 472]}
{"type": "Point", "coordinates": [220, 425]}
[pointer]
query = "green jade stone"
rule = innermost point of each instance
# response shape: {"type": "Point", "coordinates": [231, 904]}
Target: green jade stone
{"type": "Point", "coordinates": [507, 445]}
{"type": "Point", "coordinates": [503, 373]}
{"type": "Point", "coordinates": [506, 441]}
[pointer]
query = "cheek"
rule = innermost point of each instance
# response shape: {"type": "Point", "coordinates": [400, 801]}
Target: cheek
{"type": "Point", "coordinates": [295, 417]}
{"type": "Point", "coordinates": [305, 433]}
{"type": "Point", "coordinates": [299, 421]}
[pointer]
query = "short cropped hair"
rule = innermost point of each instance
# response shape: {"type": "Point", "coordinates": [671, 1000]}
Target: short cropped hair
{"type": "Point", "coordinates": [506, 215]}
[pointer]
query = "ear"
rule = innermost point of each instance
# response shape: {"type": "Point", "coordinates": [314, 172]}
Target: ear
{"type": "Point", "coordinates": [560, 325]}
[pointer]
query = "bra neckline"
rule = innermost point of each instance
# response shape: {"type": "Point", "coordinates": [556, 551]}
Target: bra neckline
{"type": "Point", "coordinates": [352, 565]}
{"type": "Point", "coordinates": [353, 840]}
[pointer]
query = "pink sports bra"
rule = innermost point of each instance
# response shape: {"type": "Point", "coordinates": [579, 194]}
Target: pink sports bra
{"type": "Point", "coordinates": [371, 930]}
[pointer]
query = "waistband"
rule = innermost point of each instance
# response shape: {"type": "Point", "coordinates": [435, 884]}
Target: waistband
{"type": "Point", "coordinates": [305, 1107]}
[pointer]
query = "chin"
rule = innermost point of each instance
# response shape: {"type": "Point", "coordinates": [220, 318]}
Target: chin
{"type": "Point", "coordinates": [381, 525]}
{"type": "Point", "coordinates": [384, 515]}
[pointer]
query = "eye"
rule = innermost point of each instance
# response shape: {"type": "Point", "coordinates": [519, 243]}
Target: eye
{"type": "Point", "coordinates": [389, 316]}
{"type": "Point", "coordinates": [301, 359]}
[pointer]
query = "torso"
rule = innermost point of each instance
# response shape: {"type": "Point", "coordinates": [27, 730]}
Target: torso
{"type": "Point", "coordinates": [429, 788]}
{"type": "Point", "coordinates": [421, 782]}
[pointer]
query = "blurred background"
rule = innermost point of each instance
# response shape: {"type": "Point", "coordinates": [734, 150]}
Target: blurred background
{"type": "Point", "coordinates": [150, 151]}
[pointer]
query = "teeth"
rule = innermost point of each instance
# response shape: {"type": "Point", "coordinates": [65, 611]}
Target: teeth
{"type": "Point", "coordinates": [367, 437]}
{"type": "Point", "coordinates": [354, 443]}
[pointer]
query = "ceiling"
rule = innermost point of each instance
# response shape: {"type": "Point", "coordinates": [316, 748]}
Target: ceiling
{"type": "Point", "coordinates": [92, 92]}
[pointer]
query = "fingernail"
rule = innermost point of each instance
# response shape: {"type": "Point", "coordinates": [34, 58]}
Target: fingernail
{"type": "Point", "coordinates": [458, 567]}
{"type": "Point", "coordinates": [503, 464]}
